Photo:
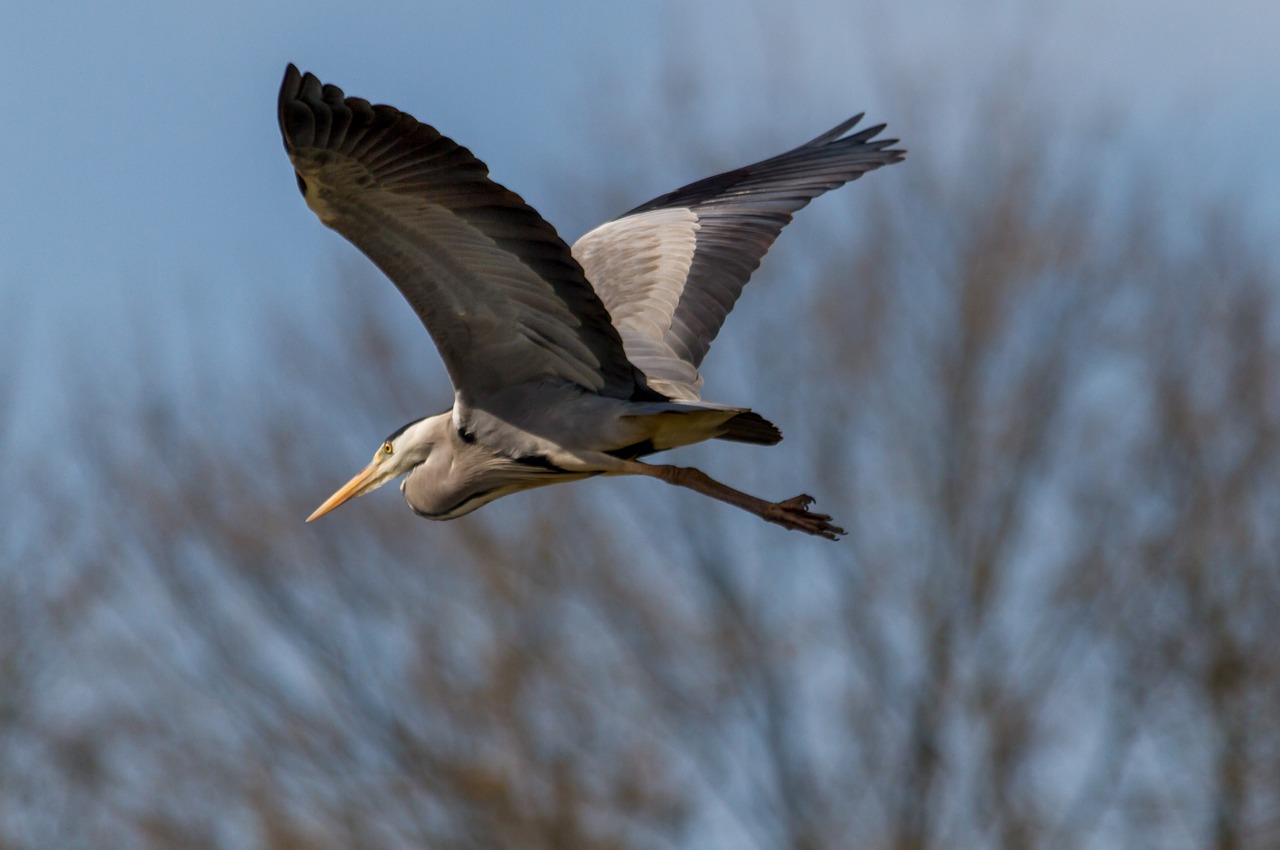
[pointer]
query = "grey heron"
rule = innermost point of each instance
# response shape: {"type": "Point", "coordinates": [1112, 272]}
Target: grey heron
{"type": "Point", "coordinates": [566, 362]}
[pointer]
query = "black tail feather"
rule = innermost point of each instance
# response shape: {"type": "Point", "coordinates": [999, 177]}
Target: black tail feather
{"type": "Point", "coordinates": [751, 427]}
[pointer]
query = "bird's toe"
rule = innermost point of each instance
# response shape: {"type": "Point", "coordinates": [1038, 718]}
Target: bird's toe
{"type": "Point", "coordinates": [794, 514]}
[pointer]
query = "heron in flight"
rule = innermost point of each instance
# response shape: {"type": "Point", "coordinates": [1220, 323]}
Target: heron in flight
{"type": "Point", "coordinates": [566, 362]}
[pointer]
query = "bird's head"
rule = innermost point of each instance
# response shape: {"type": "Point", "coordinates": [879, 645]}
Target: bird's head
{"type": "Point", "coordinates": [399, 453]}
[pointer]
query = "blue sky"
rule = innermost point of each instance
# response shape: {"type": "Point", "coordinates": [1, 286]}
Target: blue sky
{"type": "Point", "coordinates": [142, 168]}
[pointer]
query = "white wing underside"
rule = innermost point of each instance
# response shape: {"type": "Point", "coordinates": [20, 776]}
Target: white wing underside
{"type": "Point", "coordinates": [670, 270]}
{"type": "Point", "coordinates": [639, 265]}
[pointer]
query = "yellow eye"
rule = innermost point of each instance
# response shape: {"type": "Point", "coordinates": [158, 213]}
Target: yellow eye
{"type": "Point", "coordinates": [387, 449]}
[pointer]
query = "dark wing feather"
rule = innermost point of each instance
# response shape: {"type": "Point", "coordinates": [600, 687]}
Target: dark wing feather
{"type": "Point", "coordinates": [496, 287]}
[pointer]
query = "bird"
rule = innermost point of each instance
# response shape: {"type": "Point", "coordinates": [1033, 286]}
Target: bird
{"type": "Point", "coordinates": [566, 362]}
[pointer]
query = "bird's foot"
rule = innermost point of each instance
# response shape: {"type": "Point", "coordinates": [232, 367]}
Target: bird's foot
{"type": "Point", "coordinates": [794, 514]}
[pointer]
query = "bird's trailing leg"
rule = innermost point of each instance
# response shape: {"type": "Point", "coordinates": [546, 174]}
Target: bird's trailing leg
{"type": "Point", "coordinates": [792, 513]}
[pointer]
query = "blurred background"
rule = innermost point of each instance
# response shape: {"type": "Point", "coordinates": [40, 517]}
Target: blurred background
{"type": "Point", "coordinates": [1032, 370]}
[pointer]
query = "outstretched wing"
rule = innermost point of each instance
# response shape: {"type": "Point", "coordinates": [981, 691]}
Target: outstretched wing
{"type": "Point", "coordinates": [496, 287]}
{"type": "Point", "coordinates": [670, 270]}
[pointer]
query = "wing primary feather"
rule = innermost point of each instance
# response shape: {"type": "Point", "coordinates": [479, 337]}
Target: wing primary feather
{"type": "Point", "coordinates": [835, 132]}
{"type": "Point", "coordinates": [493, 283]}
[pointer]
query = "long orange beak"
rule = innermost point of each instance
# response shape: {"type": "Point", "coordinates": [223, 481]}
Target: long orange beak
{"type": "Point", "coordinates": [350, 490]}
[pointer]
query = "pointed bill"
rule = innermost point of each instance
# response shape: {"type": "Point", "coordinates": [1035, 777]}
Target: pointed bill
{"type": "Point", "coordinates": [350, 490]}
